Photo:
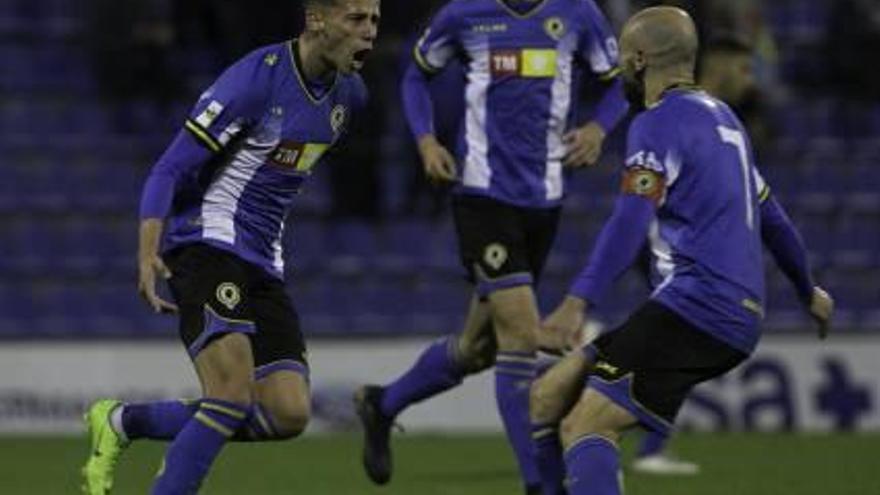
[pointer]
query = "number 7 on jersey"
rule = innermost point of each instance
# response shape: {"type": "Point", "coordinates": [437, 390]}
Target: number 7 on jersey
{"type": "Point", "coordinates": [736, 138]}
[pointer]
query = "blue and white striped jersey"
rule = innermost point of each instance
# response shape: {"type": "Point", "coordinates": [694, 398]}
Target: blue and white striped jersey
{"type": "Point", "coordinates": [268, 129]}
{"type": "Point", "coordinates": [521, 68]}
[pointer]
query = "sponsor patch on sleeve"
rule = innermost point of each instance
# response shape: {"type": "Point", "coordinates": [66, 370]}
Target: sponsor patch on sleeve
{"type": "Point", "coordinates": [210, 114]}
{"type": "Point", "coordinates": [644, 182]}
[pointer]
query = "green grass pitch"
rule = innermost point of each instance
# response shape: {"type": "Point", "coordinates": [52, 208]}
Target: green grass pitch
{"type": "Point", "coordinates": [732, 464]}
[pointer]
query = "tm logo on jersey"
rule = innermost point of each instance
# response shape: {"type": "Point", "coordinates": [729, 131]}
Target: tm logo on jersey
{"type": "Point", "coordinates": [528, 62]}
{"type": "Point", "coordinates": [297, 156]}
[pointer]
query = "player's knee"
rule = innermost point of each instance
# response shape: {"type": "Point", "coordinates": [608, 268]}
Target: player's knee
{"type": "Point", "coordinates": [545, 403]}
{"type": "Point", "coordinates": [229, 386]}
{"type": "Point", "coordinates": [575, 426]}
{"type": "Point", "coordinates": [515, 330]}
{"type": "Point", "coordinates": [515, 318]}
{"type": "Point", "coordinates": [290, 420]}
{"type": "Point", "coordinates": [476, 355]}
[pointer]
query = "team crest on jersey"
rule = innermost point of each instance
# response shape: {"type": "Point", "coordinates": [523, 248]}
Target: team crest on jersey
{"type": "Point", "coordinates": [337, 118]}
{"type": "Point", "coordinates": [228, 294]}
{"type": "Point", "coordinates": [554, 27]}
{"type": "Point", "coordinates": [495, 255]}
{"type": "Point", "coordinates": [643, 182]}
{"type": "Point", "coordinates": [270, 59]}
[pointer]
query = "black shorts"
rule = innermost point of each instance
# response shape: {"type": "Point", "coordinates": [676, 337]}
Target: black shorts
{"type": "Point", "coordinates": [502, 245]}
{"type": "Point", "coordinates": [649, 364]}
{"type": "Point", "coordinates": [220, 293]}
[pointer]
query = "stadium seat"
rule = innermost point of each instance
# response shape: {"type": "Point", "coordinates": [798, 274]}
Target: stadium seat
{"type": "Point", "coordinates": [405, 247]}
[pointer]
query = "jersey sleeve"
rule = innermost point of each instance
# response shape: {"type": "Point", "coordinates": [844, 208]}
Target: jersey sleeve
{"type": "Point", "coordinates": [652, 163]}
{"type": "Point", "coordinates": [438, 44]}
{"type": "Point", "coordinates": [761, 185]}
{"type": "Point", "coordinates": [598, 46]}
{"type": "Point", "coordinates": [234, 101]}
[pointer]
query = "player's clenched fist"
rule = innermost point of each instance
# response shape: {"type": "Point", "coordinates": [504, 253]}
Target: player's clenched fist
{"type": "Point", "coordinates": [439, 163]}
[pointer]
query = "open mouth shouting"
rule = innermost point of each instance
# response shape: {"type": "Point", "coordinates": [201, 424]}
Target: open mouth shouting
{"type": "Point", "coordinates": [358, 58]}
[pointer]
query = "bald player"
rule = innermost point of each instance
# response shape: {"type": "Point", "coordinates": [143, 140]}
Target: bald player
{"type": "Point", "coordinates": [690, 187]}
{"type": "Point", "coordinates": [727, 72]}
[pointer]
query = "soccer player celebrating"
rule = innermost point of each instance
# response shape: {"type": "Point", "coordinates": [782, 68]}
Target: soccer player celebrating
{"type": "Point", "coordinates": [523, 59]}
{"type": "Point", "coordinates": [689, 185]}
{"type": "Point", "coordinates": [211, 222]}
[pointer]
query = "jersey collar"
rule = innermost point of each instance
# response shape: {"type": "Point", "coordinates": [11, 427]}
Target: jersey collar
{"type": "Point", "coordinates": [300, 75]}
{"type": "Point", "coordinates": [522, 15]}
{"type": "Point", "coordinates": [691, 87]}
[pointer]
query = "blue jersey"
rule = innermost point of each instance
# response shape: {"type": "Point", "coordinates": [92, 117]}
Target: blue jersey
{"type": "Point", "coordinates": [706, 239]}
{"type": "Point", "coordinates": [268, 128]}
{"type": "Point", "coordinates": [520, 71]}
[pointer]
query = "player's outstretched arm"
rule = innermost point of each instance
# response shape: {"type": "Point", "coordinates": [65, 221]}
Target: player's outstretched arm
{"type": "Point", "coordinates": [790, 253]}
{"type": "Point", "coordinates": [616, 249]}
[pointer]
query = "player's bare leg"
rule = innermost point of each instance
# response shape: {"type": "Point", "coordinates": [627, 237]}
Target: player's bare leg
{"type": "Point", "coordinates": [282, 408]}
{"type": "Point", "coordinates": [516, 321]}
{"type": "Point", "coordinates": [552, 395]}
{"type": "Point", "coordinates": [225, 369]}
{"type": "Point", "coordinates": [555, 392]}
{"type": "Point", "coordinates": [590, 434]}
{"type": "Point", "coordinates": [440, 367]}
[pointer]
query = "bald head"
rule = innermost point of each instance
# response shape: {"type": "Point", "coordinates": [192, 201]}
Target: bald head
{"type": "Point", "coordinates": [664, 36]}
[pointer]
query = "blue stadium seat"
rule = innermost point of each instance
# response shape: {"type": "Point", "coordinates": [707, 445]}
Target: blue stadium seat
{"type": "Point", "coordinates": [304, 245]}
{"type": "Point", "coordinates": [352, 247]}
{"type": "Point", "coordinates": [405, 247]}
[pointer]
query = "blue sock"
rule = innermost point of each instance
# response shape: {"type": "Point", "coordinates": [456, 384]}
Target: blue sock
{"type": "Point", "coordinates": [160, 420]}
{"type": "Point", "coordinates": [163, 420]}
{"type": "Point", "coordinates": [514, 373]}
{"type": "Point", "coordinates": [197, 445]}
{"type": "Point", "coordinates": [257, 427]}
{"type": "Point", "coordinates": [435, 371]}
{"type": "Point", "coordinates": [593, 467]}
{"type": "Point", "coordinates": [652, 443]}
{"type": "Point", "coordinates": [548, 458]}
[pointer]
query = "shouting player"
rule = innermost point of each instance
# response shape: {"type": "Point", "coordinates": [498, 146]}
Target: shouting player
{"type": "Point", "coordinates": [524, 61]}
{"type": "Point", "coordinates": [211, 222]}
{"type": "Point", "coordinates": [690, 187]}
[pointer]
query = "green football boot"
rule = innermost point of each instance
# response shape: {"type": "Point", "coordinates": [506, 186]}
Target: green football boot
{"type": "Point", "coordinates": [106, 448]}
